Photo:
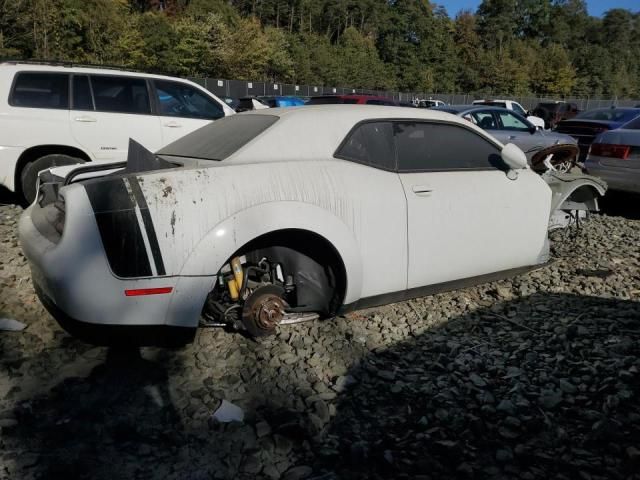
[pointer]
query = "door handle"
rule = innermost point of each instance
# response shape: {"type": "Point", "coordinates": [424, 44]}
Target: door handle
{"type": "Point", "coordinates": [85, 119]}
{"type": "Point", "coordinates": [173, 125]}
{"type": "Point", "coordinates": [511, 137]}
{"type": "Point", "coordinates": [421, 190]}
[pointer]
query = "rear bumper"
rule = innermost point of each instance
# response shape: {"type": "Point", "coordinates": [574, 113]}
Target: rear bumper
{"type": "Point", "coordinates": [75, 282]}
{"type": "Point", "coordinates": [620, 179]}
{"type": "Point", "coordinates": [127, 335]}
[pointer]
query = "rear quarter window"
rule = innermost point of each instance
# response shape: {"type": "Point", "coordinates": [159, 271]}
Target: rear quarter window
{"type": "Point", "coordinates": [370, 143]}
{"type": "Point", "coordinates": [40, 90]}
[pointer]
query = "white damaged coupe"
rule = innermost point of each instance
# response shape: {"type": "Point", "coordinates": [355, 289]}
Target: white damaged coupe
{"type": "Point", "coordinates": [282, 215]}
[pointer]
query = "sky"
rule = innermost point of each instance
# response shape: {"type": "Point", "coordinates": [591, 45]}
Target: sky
{"type": "Point", "coordinates": [596, 7]}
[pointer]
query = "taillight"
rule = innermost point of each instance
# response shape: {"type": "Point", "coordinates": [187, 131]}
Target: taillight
{"type": "Point", "coordinates": [611, 151]}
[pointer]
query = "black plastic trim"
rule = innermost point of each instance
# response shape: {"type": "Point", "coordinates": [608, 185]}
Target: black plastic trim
{"type": "Point", "coordinates": [404, 295]}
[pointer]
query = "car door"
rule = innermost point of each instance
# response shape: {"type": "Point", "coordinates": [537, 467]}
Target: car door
{"type": "Point", "coordinates": [467, 214]}
{"type": "Point", "coordinates": [108, 110]}
{"type": "Point", "coordinates": [183, 108]}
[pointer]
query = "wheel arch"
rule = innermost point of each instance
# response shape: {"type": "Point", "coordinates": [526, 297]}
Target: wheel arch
{"type": "Point", "coordinates": [231, 236]}
{"type": "Point", "coordinates": [35, 152]}
{"type": "Point", "coordinates": [582, 194]}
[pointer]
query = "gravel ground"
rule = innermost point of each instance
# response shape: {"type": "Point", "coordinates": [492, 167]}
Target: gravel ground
{"type": "Point", "coordinates": [536, 377]}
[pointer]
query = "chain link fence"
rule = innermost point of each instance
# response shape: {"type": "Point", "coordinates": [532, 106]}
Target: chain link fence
{"type": "Point", "coordinates": [241, 88]}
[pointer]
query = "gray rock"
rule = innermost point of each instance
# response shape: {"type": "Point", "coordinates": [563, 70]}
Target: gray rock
{"type": "Point", "coordinates": [298, 473]}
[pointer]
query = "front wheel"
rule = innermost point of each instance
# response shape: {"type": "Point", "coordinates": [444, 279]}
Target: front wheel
{"type": "Point", "coordinates": [29, 174]}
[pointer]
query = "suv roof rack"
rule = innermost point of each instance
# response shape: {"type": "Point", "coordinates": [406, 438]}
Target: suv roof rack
{"type": "Point", "coordinates": [65, 63]}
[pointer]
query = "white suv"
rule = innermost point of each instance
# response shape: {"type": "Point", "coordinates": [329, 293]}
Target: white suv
{"type": "Point", "coordinates": [54, 114]}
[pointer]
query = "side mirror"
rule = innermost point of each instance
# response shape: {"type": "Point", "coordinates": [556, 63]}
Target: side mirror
{"type": "Point", "coordinates": [533, 129]}
{"type": "Point", "coordinates": [513, 157]}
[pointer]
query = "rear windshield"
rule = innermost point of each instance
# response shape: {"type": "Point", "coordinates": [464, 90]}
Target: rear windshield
{"type": "Point", "coordinates": [220, 139]}
{"type": "Point", "coordinates": [610, 114]}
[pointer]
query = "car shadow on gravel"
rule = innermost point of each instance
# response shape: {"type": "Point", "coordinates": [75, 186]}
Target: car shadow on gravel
{"type": "Point", "coordinates": [621, 204]}
{"type": "Point", "coordinates": [545, 386]}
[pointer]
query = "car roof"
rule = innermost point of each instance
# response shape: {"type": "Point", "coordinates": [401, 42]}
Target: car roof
{"type": "Point", "coordinates": [321, 129]}
{"type": "Point", "coordinates": [12, 66]}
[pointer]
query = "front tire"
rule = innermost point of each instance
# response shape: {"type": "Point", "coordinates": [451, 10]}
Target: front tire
{"type": "Point", "coordinates": [29, 174]}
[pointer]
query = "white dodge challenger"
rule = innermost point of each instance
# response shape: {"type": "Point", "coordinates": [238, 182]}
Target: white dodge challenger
{"type": "Point", "coordinates": [273, 216]}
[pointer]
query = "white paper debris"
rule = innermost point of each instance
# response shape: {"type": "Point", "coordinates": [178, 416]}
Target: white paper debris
{"type": "Point", "coordinates": [11, 325]}
{"type": "Point", "coordinates": [228, 412]}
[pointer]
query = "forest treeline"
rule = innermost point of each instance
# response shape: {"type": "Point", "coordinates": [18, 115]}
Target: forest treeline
{"type": "Point", "coordinates": [513, 47]}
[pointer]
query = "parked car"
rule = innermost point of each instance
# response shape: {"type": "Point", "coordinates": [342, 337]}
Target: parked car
{"type": "Point", "coordinates": [614, 156]}
{"type": "Point", "coordinates": [58, 115]}
{"type": "Point", "coordinates": [246, 104]}
{"type": "Point", "coordinates": [585, 126]}
{"type": "Point", "coordinates": [509, 127]}
{"type": "Point", "coordinates": [351, 99]}
{"type": "Point", "coordinates": [430, 103]}
{"type": "Point", "coordinates": [514, 106]}
{"type": "Point", "coordinates": [554, 112]}
{"type": "Point", "coordinates": [281, 101]}
{"type": "Point", "coordinates": [267, 216]}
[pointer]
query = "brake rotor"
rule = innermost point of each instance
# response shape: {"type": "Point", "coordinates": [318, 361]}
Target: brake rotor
{"type": "Point", "coordinates": [263, 310]}
{"type": "Point", "coordinates": [564, 157]}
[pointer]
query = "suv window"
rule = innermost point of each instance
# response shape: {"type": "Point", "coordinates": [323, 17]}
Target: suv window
{"type": "Point", "coordinates": [82, 93]}
{"type": "Point", "coordinates": [120, 94]}
{"type": "Point", "coordinates": [370, 143]}
{"type": "Point", "coordinates": [177, 99]}
{"type": "Point", "coordinates": [510, 122]}
{"type": "Point", "coordinates": [40, 90]}
{"type": "Point", "coordinates": [441, 147]}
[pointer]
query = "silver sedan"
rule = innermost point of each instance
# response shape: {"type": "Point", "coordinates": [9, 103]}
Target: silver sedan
{"type": "Point", "coordinates": [614, 156]}
{"type": "Point", "coordinates": [542, 147]}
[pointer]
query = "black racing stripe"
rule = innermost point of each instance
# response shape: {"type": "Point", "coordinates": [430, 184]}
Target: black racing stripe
{"type": "Point", "coordinates": [120, 233]}
{"type": "Point", "coordinates": [148, 224]}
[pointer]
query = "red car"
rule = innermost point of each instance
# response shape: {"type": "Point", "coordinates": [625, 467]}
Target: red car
{"type": "Point", "coordinates": [351, 99]}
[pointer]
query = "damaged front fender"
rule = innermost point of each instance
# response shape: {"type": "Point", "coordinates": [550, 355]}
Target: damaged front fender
{"type": "Point", "coordinates": [572, 192]}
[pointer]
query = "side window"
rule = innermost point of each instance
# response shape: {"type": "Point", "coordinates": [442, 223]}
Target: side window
{"type": "Point", "coordinates": [510, 122]}
{"type": "Point", "coordinates": [120, 94]}
{"type": "Point", "coordinates": [40, 90]}
{"type": "Point", "coordinates": [81, 93]}
{"type": "Point", "coordinates": [441, 147]}
{"type": "Point", "coordinates": [485, 120]}
{"type": "Point", "coordinates": [372, 144]}
{"type": "Point", "coordinates": [180, 100]}
{"type": "Point", "coordinates": [518, 109]}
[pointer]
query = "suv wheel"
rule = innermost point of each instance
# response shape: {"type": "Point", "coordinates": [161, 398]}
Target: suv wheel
{"type": "Point", "coordinates": [29, 174]}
